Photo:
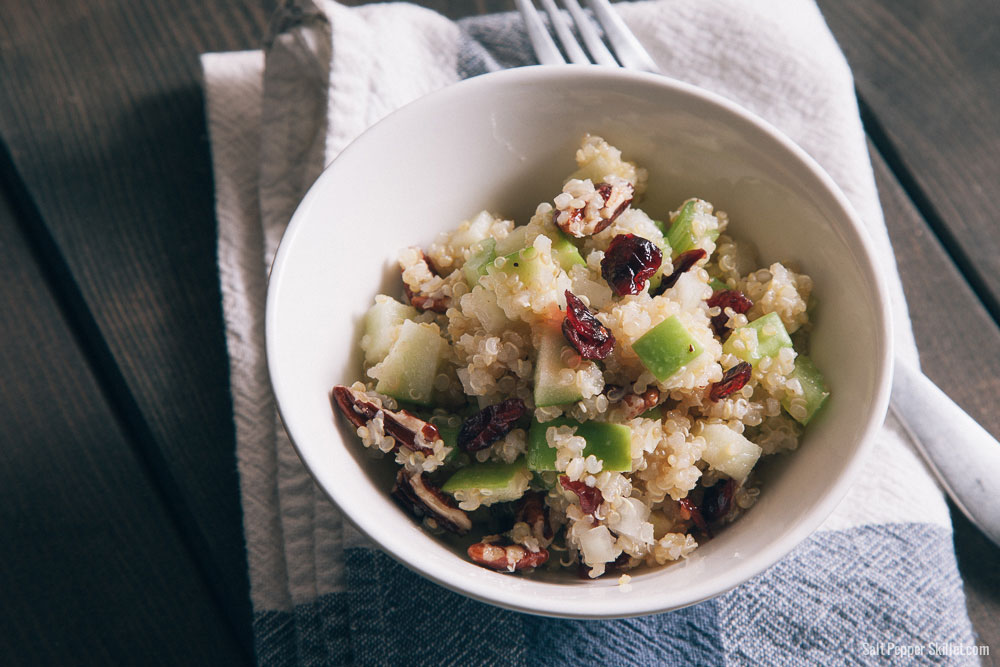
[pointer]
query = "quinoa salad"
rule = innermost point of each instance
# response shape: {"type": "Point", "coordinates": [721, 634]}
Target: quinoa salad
{"type": "Point", "coordinates": [591, 390]}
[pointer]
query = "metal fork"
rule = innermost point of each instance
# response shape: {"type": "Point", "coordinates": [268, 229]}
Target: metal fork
{"type": "Point", "coordinates": [628, 50]}
{"type": "Point", "coordinates": [969, 473]}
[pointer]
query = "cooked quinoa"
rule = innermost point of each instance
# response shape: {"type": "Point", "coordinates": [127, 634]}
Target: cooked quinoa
{"type": "Point", "coordinates": [592, 389]}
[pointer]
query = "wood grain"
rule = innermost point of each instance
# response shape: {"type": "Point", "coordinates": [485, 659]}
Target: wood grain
{"type": "Point", "coordinates": [108, 134]}
{"type": "Point", "coordinates": [91, 567]}
{"type": "Point", "coordinates": [929, 71]}
{"type": "Point", "coordinates": [960, 351]}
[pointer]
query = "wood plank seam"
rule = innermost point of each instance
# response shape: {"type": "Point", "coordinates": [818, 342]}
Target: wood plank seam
{"type": "Point", "coordinates": [111, 382]}
{"type": "Point", "coordinates": [927, 210]}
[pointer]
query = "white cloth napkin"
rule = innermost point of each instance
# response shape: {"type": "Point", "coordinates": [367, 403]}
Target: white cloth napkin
{"type": "Point", "coordinates": [330, 72]}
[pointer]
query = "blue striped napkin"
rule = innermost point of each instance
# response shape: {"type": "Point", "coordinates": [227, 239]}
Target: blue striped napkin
{"type": "Point", "coordinates": [876, 583]}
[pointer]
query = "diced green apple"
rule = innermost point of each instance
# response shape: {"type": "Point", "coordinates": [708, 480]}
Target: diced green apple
{"type": "Point", "coordinates": [381, 323]}
{"type": "Point", "coordinates": [653, 413]}
{"type": "Point", "coordinates": [407, 373]}
{"type": "Point", "coordinates": [503, 482]}
{"type": "Point", "coordinates": [517, 239]}
{"type": "Point", "coordinates": [717, 285]}
{"type": "Point", "coordinates": [814, 390]}
{"type": "Point", "coordinates": [666, 348]}
{"type": "Point", "coordinates": [563, 251]}
{"type": "Point", "coordinates": [681, 235]}
{"type": "Point", "coordinates": [611, 443]}
{"type": "Point", "coordinates": [555, 382]}
{"type": "Point", "coordinates": [764, 337]}
{"type": "Point", "coordinates": [532, 268]}
{"type": "Point", "coordinates": [479, 261]}
{"type": "Point", "coordinates": [729, 452]}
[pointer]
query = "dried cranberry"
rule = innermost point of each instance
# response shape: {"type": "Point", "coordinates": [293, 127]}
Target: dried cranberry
{"type": "Point", "coordinates": [690, 511]}
{"type": "Point", "coordinates": [732, 381]}
{"type": "Point", "coordinates": [590, 496]}
{"type": "Point", "coordinates": [718, 499]}
{"type": "Point", "coordinates": [490, 424]}
{"type": "Point", "coordinates": [585, 332]}
{"type": "Point", "coordinates": [728, 298]}
{"type": "Point", "coordinates": [629, 262]}
{"type": "Point", "coordinates": [681, 264]}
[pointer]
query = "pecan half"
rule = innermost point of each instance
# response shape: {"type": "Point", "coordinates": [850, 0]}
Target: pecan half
{"type": "Point", "coordinates": [532, 511]}
{"type": "Point", "coordinates": [636, 404]}
{"type": "Point", "coordinates": [423, 499]}
{"type": "Point", "coordinates": [436, 301]}
{"type": "Point", "coordinates": [584, 209]}
{"type": "Point", "coordinates": [506, 558]}
{"type": "Point", "coordinates": [408, 430]}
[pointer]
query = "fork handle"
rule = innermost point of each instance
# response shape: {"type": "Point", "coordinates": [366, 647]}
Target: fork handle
{"type": "Point", "coordinates": [964, 457]}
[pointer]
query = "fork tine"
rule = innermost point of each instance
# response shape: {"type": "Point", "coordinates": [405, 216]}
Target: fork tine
{"type": "Point", "coordinates": [545, 49]}
{"type": "Point", "coordinates": [559, 23]}
{"type": "Point", "coordinates": [628, 49]}
{"type": "Point", "coordinates": [590, 37]}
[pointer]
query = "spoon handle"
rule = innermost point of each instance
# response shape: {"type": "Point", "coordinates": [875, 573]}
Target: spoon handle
{"type": "Point", "coordinates": [963, 455]}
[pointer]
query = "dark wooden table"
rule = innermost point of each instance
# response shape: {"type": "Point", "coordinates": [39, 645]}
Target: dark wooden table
{"type": "Point", "coordinates": [122, 535]}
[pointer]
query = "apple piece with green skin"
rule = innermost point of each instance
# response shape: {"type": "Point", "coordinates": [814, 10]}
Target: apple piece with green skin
{"type": "Point", "coordinates": [717, 285]}
{"type": "Point", "coordinates": [729, 452]}
{"type": "Point", "coordinates": [499, 482]}
{"type": "Point", "coordinates": [814, 390]}
{"type": "Point", "coordinates": [764, 337]}
{"type": "Point", "coordinates": [381, 323]}
{"type": "Point", "coordinates": [611, 443]}
{"type": "Point", "coordinates": [533, 268]}
{"type": "Point", "coordinates": [479, 261]}
{"type": "Point", "coordinates": [681, 235]}
{"type": "Point", "coordinates": [516, 240]}
{"type": "Point", "coordinates": [563, 251]}
{"type": "Point", "coordinates": [555, 382]}
{"type": "Point", "coordinates": [666, 348]}
{"type": "Point", "coordinates": [408, 371]}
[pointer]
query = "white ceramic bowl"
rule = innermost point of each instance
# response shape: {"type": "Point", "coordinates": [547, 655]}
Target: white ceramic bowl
{"type": "Point", "coordinates": [503, 142]}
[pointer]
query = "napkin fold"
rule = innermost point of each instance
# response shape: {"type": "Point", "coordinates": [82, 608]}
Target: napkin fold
{"type": "Point", "coordinates": [881, 571]}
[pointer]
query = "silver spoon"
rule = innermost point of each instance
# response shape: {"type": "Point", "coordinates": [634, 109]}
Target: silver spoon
{"type": "Point", "coordinates": [964, 457]}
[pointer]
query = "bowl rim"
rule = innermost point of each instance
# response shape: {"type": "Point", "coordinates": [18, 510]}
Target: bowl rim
{"type": "Point", "coordinates": [492, 589]}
